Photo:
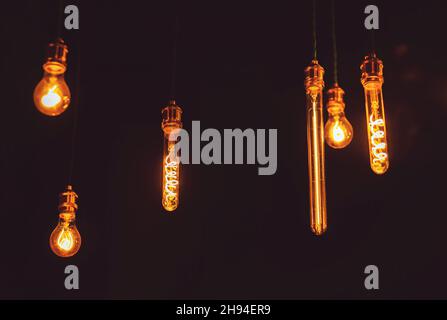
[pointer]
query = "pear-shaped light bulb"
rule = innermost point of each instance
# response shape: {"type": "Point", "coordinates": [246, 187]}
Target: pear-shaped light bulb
{"type": "Point", "coordinates": [52, 94]}
{"type": "Point", "coordinates": [338, 131]}
{"type": "Point", "coordinates": [65, 240]}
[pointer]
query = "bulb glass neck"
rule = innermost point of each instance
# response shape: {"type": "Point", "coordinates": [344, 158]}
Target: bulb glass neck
{"type": "Point", "coordinates": [54, 68]}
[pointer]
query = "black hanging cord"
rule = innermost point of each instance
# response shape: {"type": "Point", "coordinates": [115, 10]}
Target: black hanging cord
{"type": "Point", "coordinates": [60, 19]}
{"type": "Point", "coordinates": [373, 41]}
{"type": "Point", "coordinates": [174, 56]}
{"type": "Point", "coordinates": [314, 27]}
{"type": "Point", "coordinates": [75, 117]}
{"type": "Point", "coordinates": [334, 42]}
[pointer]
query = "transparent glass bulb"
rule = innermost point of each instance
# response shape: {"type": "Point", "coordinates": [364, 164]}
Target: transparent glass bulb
{"type": "Point", "coordinates": [314, 85]}
{"type": "Point", "coordinates": [52, 95]}
{"type": "Point", "coordinates": [372, 80]}
{"type": "Point", "coordinates": [65, 240]}
{"type": "Point", "coordinates": [338, 132]}
{"type": "Point", "coordinates": [172, 121]}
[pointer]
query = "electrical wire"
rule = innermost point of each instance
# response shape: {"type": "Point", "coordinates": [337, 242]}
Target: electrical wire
{"type": "Point", "coordinates": [60, 19]}
{"type": "Point", "coordinates": [75, 116]}
{"type": "Point", "coordinates": [314, 27]}
{"type": "Point", "coordinates": [334, 42]}
{"type": "Point", "coordinates": [373, 41]}
{"type": "Point", "coordinates": [174, 56]}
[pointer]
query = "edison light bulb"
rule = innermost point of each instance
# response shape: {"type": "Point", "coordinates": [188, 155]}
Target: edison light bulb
{"type": "Point", "coordinates": [314, 85]}
{"type": "Point", "coordinates": [372, 80]}
{"type": "Point", "coordinates": [338, 131]}
{"type": "Point", "coordinates": [52, 95]}
{"type": "Point", "coordinates": [65, 240]}
{"type": "Point", "coordinates": [172, 121]}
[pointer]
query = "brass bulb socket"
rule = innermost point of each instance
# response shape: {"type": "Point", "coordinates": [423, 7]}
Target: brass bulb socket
{"type": "Point", "coordinates": [57, 57]}
{"type": "Point", "coordinates": [314, 76]}
{"type": "Point", "coordinates": [172, 117]}
{"type": "Point", "coordinates": [67, 203]}
{"type": "Point", "coordinates": [335, 102]}
{"type": "Point", "coordinates": [372, 69]}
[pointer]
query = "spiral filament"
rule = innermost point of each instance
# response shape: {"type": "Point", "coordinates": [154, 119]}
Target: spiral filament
{"type": "Point", "coordinates": [315, 143]}
{"type": "Point", "coordinates": [378, 143]}
{"type": "Point", "coordinates": [372, 80]}
{"type": "Point", "coordinates": [171, 179]}
{"type": "Point", "coordinates": [171, 123]}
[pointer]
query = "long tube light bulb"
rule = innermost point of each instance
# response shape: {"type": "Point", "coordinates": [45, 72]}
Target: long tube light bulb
{"type": "Point", "coordinates": [372, 81]}
{"type": "Point", "coordinates": [314, 85]}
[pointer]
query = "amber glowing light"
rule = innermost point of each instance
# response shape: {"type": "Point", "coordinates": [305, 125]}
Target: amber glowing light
{"type": "Point", "coordinates": [52, 95]}
{"type": "Point", "coordinates": [338, 131]}
{"type": "Point", "coordinates": [372, 81]}
{"type": "Point", "coordinates": [65, 240]}
{"type": "Point", "coordinates": [314, 85]}
{"type": "Point", "coordinates": [172, 120]}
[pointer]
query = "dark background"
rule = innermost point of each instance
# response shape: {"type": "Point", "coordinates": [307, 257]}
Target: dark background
{"type": "Point", "coordinates": [236, 234]}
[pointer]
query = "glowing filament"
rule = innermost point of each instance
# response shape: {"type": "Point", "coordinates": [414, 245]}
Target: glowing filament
{"type": "Point", "coordinates": [51, 99]}
{"type": "Point", "coordinates": [314, 85]}
{"type": "Point", "coordinates": [171, 179]}
{"type": "Point", "coordinates": [338, 133]}
{"type": "Point", "coordinates": [377, 131]}
{"type": "Point", "coordinates": [372, 80]}
{"type": "Point", "coordinates": [377, 140]}
{"type": "Point", "coordinates": [65, 240]}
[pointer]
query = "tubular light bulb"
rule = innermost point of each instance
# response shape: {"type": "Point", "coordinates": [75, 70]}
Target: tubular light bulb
{"type": "Point", "coordinates": [172, 120]}
{"type": "Point", "coordinates": [338, 131]}
{"type": "Point", "coordinates": [52, 95]}
{"type": "Point", "coordinates": [314, 85]}
{"type": "Point", "coordinates": [372, 81]}
{"type": "Point", "coordinates": [65, 240]}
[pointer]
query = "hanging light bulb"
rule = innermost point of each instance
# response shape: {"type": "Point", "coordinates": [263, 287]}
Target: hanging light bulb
{"type": "Point", "coordinates": [172, 120]}
{"type": "Point", "coordinates": [52, 95]}
{"type": "Point", "coordinates": [65, 240]}
{"type": "Point", "coordinates": [314, 85]}
{"type": "Point", "coordinates": [338, 131]}
{"type": "Point", "coordinates": [372, 81]}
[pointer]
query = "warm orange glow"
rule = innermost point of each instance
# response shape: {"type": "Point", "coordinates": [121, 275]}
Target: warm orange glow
{"type": "Point", "coordinates": [51, 99]}
{"type": "Point", "coordinates": [315, 144]}
{"type": "Point", "coordinates": [372, 80]}
{"type": "Point", "coordinates": [172, 121]}
{"type": "Point", "coordinates": [52, 95]}
{"type": "Point", "coordinates": [338, 131]}
{"type": "Point", "coordinates": [171, 170]}
{"type": "Point", "coordinates": [65, 240]}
